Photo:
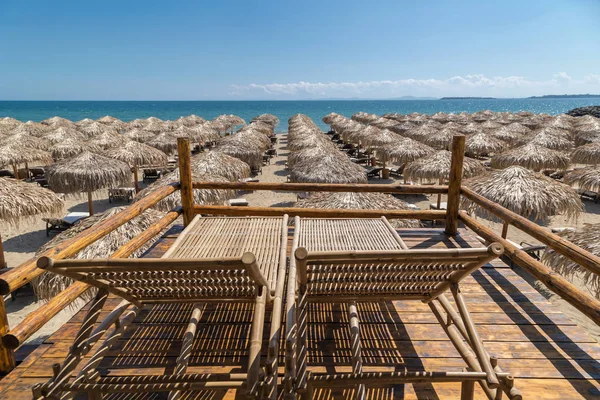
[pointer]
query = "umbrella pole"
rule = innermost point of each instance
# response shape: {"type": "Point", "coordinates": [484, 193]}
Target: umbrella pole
{"type": "Point", "coordinates": [136, 179]}
{"type": "Point", "coordinates": [16, 171]}
{"type": "Point", "coordinates": [2, 259]}
{"type": "Point", "coordinates": [90, 204]}
{"type": "Point", "coordinates": [504, 229]}
{"type": "Point", "coordinates": [439, 200]}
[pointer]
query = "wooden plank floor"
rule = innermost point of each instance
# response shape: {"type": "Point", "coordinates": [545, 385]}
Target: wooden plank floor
{"type": "Point", "coordinates": [548, 354]}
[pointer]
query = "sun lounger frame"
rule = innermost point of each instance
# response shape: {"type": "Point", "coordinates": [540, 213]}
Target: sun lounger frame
{"type": "Point", "coordinates": [350, 269]}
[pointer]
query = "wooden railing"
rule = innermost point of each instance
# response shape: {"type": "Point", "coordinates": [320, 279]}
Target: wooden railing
{"type": "Point", "coordinates": [19, 276]}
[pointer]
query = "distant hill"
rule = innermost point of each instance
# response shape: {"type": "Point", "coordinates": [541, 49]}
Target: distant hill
{"type": "Point", "coordinates": [467, 98]}
{"type": "Point", "coordinates": [565, 96]}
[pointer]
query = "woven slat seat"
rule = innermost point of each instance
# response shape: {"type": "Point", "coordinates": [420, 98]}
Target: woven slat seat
{"type": "Point", "coordinates": [365, 260]}
{"type": "Point", "coordinates": [213, 260]}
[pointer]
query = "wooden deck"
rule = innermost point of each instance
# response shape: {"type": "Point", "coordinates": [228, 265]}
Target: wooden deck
{"type": "Point", "coordinates": [548, 354]}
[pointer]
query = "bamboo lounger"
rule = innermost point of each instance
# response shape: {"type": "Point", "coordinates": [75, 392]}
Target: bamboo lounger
{"type": "Point", "coordinates": [221, 259]}
{"type": "Point", "coordinates": [365, 260]}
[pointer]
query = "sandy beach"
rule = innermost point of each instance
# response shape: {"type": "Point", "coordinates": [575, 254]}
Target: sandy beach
{"type": "Point", "coordinates": [21, 244]}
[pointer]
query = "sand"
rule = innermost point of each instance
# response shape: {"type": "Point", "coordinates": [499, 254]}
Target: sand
{"type": "Point", "coordinates": [22, 243]}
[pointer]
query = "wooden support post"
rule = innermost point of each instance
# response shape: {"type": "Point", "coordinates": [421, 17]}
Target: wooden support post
{"type": "Point", "coordinates": [467, 390]}
{"type": "Point", "coordinates": [136, 179]}
{"type": "Point", "coordinates": [7, 356]}
{"type": "Point", "coordinates": [2, 259]}
{"type": "Point", "coordinates": [504, 230]}
{"type": "Point", "coordinates": [456, 168]}
{"type": "Point", "coordinates": [16, 171]}
{"type": "Point", "coordinates": [185, 177]}
{"type": "Point", "coordinates": [90, 204]}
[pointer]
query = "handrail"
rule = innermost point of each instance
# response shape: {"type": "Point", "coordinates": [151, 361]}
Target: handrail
{"type": "Point", "coordinates": [554, 281]}
{"type": "Point", "coordinates": [320, 212]}
{"type": "Point", "coordinates": [27, 271]}
{"type": "Point", "coordinates": [39, 317]}
{"type": "Point", "coordinates": [583, 257]}
{"type": "Point", "coordinates": [324, 187]}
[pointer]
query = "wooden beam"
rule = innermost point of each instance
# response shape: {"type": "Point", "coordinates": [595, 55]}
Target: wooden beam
{"type": "Point", "coordinates": [324, 187]}
{"type": "Point", "coordinates": [456, 172]}
{"type": "Point", "coordinates": [27, 271]}
{"type": "Point", "coordinates": [7, 356]}
{"type": "Point", "coordinates": [561, 245]}
{"type": "Point", "coordinates": [185, 178]}
{"type": "Point", "coordinates": [556, 283]}
{"type": "Point", "coordinates": [39, 317]}
{"type": "Point", "coordinates": [321, 212]}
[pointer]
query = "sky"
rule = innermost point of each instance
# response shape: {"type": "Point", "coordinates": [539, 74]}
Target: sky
{"type": "Point", "coordinates": [288, 50]}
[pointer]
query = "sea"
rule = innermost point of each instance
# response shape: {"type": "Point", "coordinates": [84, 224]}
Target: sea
{"type": "Point", "coordinates": [316, 109]}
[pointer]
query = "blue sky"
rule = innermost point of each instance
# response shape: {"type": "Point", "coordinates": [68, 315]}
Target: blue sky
{"type": "Point", "coordinates": [200, 50]}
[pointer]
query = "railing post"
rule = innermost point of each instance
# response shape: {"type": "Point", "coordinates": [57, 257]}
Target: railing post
{"type": "Point", "coordinates": [185, 177]}
{"type": "Point", "coordinates": [7, 356]}
{"type": "Point", "coordinates": [456, 169]}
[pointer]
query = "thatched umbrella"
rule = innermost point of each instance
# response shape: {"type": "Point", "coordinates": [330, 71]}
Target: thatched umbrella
{"type": "Point", "coordinates": [402, 151]}
{"type": "Point", "coordinates": [58, 121]}
{"type": "Point", "coordinates": [364, 117]}
{"type": "Point", "coordinates": [151, 120]}
{"type": "Point", "coordinates": [28, 128]}
{"type": "Point", "coordinates": [436, 168]}
{"type": "Point", "coordinates": [13, 153]}
{"type": "Point", "coordinates": [220, 164]}
{"type": "Point", "coordinates": [584, 178]}
{"type": "Point", "coordinates": [550, 138]}
{"type": "Point", "coordinates": [139, 135]}
{"type": "Point", "coordinates": [136, 123]}
{"type": "Point", "coordinates": [71, 148]}
{"type": "Point", "coordinates": [108, 120]}
{"type": "Point", "coordinates": [511, 133]}
{"type": "Point", "coordinates": [84, 122]}
{"type": "Point", "coordinates": [311, 141]}
{"type": "Point", "coordinates": [204, 133]}
{"type": "Point", "coordinates": [201, 196]}
{"type": "Point", "coordinates": [49, 285]}
{"type": "Point", "coordinates": [586, 237]}
{"type": "Point", "coordinates": [21, 200]}
{"type": "Point", "coordinates": [242, 147]}
{"type": "Point", "coordinates": [157, 126]}
{"type": "Point", "coordinates": [26, 140]}
{"type": "Point", "coordinates": [533, 157]}
{"type": "Point", "coordinates": [87, 172]}
{"type": "Point", "coordinates": [191, 120]}
{"type": "Point", "coordinates": [587, 154]}
{"type": "Point", "coordinates": [137, 154]}
{"type": "Point", "coordinates": [527, 193]}
{"type": "Point", "coordinates": [331, 117]}
{"type": "Point", "coordinates": [441, 139]}
{"type": "Point", "coordinates": [327, 168]}
{"type": "Point", "coordinates": [482, 144]}
{"type": "Point", "coordinates": [165, 142]}
{"type": "Point", "coordinates": [8, 123]}
{"type": "Point", "coordinates": [108, 139]}
{"type": "Point", "coordinates": [62, 133]}
{"type": "Point", "coordinates": [268, 118]}
{"type": "Point", "coordinates": [360, 201]}
{"type": "Point", "coordinates": [93, 129]}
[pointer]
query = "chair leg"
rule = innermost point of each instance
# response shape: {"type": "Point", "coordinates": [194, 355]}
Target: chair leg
{"type": "Point", "coordinates": [467, 390]}
{"type": "Point", "coordinates": [356, 345]}
{"type": "Point", "coordinates": [255, 344]}
{"type": "Point", "coordinates": [302, 333]}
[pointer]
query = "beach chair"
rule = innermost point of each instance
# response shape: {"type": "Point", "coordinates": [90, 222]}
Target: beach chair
{"type": "Point", "coordinates": [4, 173]}
{"type": "Point", "coordinates": [271, 153]}
{"type": "Point", "coordinates": [256, 170]}
{"type": "Point", "coordinates": [266, 159]}
{"type": "Point", "coordinates": [123, 194]}
{"type": "Point", "coordinates": [374, 172]}
{"type": "Point", "coordinates": [332, 262]}
{"type": "Point", "coordinates": [397, 172]}
{"type": "Point", "coordinates": [62, 224]}
{"type": "Point", "coordinates": [151, 175]}
{"type": "Point", "coordinates": [214, 260]}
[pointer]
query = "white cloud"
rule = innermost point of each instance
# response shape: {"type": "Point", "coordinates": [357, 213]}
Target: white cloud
{"type": "Point", "coordinates": [467, 85]}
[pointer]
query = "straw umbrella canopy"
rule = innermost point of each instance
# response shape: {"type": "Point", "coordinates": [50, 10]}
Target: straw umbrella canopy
{"type": "Point", "coordinates": [404, 150]}
{"type": "Point", "coordinates": [139, 135]}
{"type": "Point", "coordinates": [511, 133]}
{"type": "Point", "coordinates": [58, 121]}
{"type": "Point", "coordinates": [108, 139]}
{"type": "Point", "coordinates": [311, 141]}
{"type": "Point", "coordinates": [13, 153]}
{"type": "Point", "coordinates": [84, 122]}
{"type": "Point", "coordinates": [157, 126]}
{"type": "Point", "coordinates": [71, 148]}
{"type": "Point", "coordinates": [191, 120]}
{"type": "Point", "coordinates": [328, 168]}
{"type": "Point", "coordinates": [87, 172]}
{"type": "Point", "coordinates": [482, 144]}
{"type": "Point", "coordinates": [331, 117]}
{"type": "Point", "coordinates": [527, 193]}
{"type": "Point", "coordinates": [94, 129]}
{"type": "Point", "coordinates": [360, 201]}
{"type": "Point", "coordinates": [441, 139]}
{"type": "Point", "coordinates": [63, 133]}
{"type": "Point", "coordinates": [261, 127]}
{"type": "Point", "coordinates": [165, 142]}
{"type": "Point", "coordinates": [586, 237]}
{"type": "Point", "coordinates": [380, 137]}
{"type": "Point", "coordinates": [49, 285]}
{"type": "Point", "coordinates": [136, 123]}
{"type": "Point", "coordinates": [21, 200]}
{"type": "Point", "coordinates": [220, 164]}
{"type": "Point", "coordinates": [268, 118]}
{"type": "Point", "coordinates": [201, 196]}
{"type": "Point", "coordinates": [26, 140]}
{"type": "Point", "coordinates": [151, 120]}
{"type": "Point", "coordinates": [550, 138]}
{"type": "Point", "coordinates": [28, 128]}
{"type": "Point", "coordinates": [471, 128]}
{"type": "Point", "coordinates": [247, 151]}
{"type": "Point", "coordinates": [364, 118]}
{"type": "Point", "coordinates": [533, 157]}
{"type": "Point", "coordinates": [436, 167]}
{"type": "Point", "coordinates": [137, 154]}
{"type": "Point", "coordinates": [587, 154]}
{"type": "Point", "coordinates": [8, 123]}
{"type": "Point", "coordinates": [205, 132]}
{"type": "Point", "coordinates": [108, 120]}
{"type": "Point", "coordinates": [584, 178]}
